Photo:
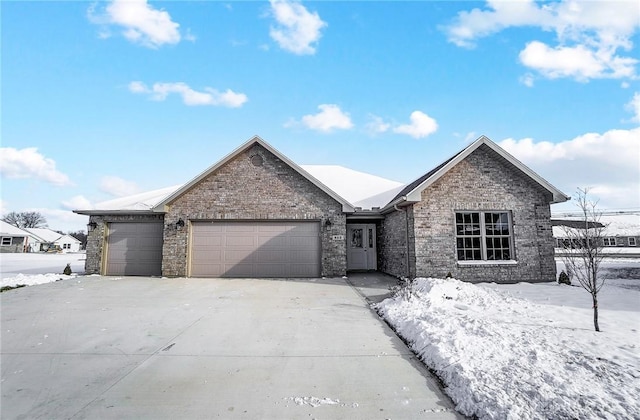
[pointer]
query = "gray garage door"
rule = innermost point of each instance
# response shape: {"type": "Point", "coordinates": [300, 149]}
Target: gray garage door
{"type": "Point", "coordinates": [255, 249]}
{"type": "Point", "coordinates": [134, 249]}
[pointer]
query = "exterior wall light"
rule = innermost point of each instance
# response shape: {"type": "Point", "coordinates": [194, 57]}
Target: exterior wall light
{"type": "Point", "coordinates": [327, 224]}
{"type": "Point", "coordinates": [92, 226]}
{"type": "Point", "coordinates": [179, 224]}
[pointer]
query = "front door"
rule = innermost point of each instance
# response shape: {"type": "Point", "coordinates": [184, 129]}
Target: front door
{"type": "Point", "coordinates": [361, 247]}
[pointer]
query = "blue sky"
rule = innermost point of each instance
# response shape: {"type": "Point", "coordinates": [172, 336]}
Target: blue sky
{"type": "Point", "coordinates": [106, 99]}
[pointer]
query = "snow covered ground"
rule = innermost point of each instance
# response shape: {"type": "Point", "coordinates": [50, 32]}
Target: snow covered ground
{"type": "Point", "coordinates": [37, 268]}
{"type": "Point", "coordinates": [529, 350]}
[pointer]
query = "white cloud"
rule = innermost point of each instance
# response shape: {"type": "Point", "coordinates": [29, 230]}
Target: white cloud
{"type": "Point", "coordinates": [580, 62]}
{"type": "Point", "coordinates": [141, 23]}
{"type": "Point", "coordinates": [608, 163]}
{"type": "Point", "coordinates": [421, 125]}
{"type": "Point", "coordinates": [117, 186]}
{"type": "Point", "coordinates": [78, 202]}
{"type": "Point", "coordinates": [633, 106]}
{"type": "Point", "coordinates": [28, 163]}
{"type": "Point", "coordinates": [328, 119]}
{"type": "Point", "coordinates": [64, 220]}
{"type": "Point", "coordinates": [190, 97]}
{"type": "Point", "coordinates": [589, 35]}
{"type": "Point", "coordinates": [377, 125]}
{"type": "Point", "coordinates": [527, 80]}
{"type": "Point", "coordinates": [297, 29]}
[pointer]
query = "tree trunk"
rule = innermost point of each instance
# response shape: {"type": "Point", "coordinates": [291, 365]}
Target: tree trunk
{"type": "Point", "coordinates": [595, 313]}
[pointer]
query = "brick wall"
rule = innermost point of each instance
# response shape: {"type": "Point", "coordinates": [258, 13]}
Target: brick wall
{"type": "Point", "coordinates": [483, 181]}
{"type": "Point", "coordinates": [240, 190]}
{"type": "Point", "coordinates": [96, 239]}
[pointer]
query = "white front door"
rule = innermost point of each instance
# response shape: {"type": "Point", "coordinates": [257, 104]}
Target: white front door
{"type": "Point", "coordinates": [361, 247]}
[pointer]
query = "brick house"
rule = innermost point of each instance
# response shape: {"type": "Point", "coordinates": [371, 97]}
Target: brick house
{"type": "Point", "coordinates": [481, 215]}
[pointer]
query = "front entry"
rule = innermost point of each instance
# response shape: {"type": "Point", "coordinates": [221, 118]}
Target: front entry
{"type": "Point", "coordinates": [361, 247]}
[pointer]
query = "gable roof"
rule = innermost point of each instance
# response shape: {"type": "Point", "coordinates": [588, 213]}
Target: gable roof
{"type": "Point", "coordinates": [44, 234]}
{"type": "Point", "coordinates": [413, 191]}
{"type": "Point", "coordinates": [7, 229]}
{"type": "Point", "coordinates": [160, 207]}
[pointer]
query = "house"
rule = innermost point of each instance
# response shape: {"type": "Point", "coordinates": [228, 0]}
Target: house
{"type": "Point", "coordinates": [621, 229]}
{"type": "Point", "coordinates": [481, 215]}
{"type": "Point", "coordinates": [13, 239]}
{"type": "Point", "coordinates": [47, 240]}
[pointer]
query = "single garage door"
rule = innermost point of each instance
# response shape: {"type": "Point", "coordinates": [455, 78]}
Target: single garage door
{"type": "Point", "coordinates": [134, 249]}
{"type": "Point", "coordinates": [255, 249]}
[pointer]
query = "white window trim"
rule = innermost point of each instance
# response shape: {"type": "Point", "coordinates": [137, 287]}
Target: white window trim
{"type": "Point", "coordinates": [632, 240]}
{"type": "Point", "coordinates": [486, 262]}
{"type": "Point", "coordinates": [10, 241]}
{"type": "Point", "coordinates": [483, 246]}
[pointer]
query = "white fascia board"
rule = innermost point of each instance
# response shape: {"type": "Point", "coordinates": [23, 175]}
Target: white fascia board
{"type": "Point", "coordinates": [162, 206]}
{"type": "Point", "coordinates": [416, 194]}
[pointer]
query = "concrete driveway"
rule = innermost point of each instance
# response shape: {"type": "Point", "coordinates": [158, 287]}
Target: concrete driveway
{"type": "Point", "coordinates": [104, 347]}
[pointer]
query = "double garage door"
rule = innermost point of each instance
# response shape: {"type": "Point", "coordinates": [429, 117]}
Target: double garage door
{"type": "Point", "coordinates": [255, 249]}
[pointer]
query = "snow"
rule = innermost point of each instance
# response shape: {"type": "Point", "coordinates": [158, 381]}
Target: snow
{"type": "Point", "coordinates": [44, 268]}
{"type": "Point", "coordinates": [142, 201]}
{"type": "Point", "coordinates": [528, 350]}
{"type": "Point", "coordinates": [358, 188]}
{"type": "Point", "coordinates": [33, 279]}
{"type": "Point", "coordinates": [620, 224]}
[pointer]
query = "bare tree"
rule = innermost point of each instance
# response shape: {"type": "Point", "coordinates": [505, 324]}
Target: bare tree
{"type": "Point", "coordinates": [583, 249]}
{"type": "Point", "coordinates": [26, 219]}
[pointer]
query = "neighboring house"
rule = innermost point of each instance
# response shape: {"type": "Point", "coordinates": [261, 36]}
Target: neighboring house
{"type": "Point", "coordinates": [481, 216]}
{"type": "Point", "coordinates": [621, 229]}
{"type": "Point", "coordinates": [47, 240]}
{"type": "Point", "coordinates": [14, 239]}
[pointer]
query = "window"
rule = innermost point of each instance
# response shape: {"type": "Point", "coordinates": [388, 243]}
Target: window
{"type": "Point", "coordinates": [6, 240]}
{"type": "Point", "coordinates": [66, 246]}
{"type": "Point", "coordinates": [609, 241]}
{"type": "Point", "coordinates": [632, 241]}
{"type": "Point", "coordinates": [483, 236]}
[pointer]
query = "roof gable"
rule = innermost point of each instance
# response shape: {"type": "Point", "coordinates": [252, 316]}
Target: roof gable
{"type": "Point", "coordinates": [7, 229]}
{"type": "Point", "coordinates": [413, 191]}
{"type": "Point", "coordinates": [45, 234]}
{"type": "Point", "coordinates": [161, 206]}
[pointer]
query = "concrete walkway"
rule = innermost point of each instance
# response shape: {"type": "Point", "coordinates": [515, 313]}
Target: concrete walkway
{"type": "Point", "coordinates": [101, 347]}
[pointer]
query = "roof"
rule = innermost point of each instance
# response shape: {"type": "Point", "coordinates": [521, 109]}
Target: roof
{"type": "Point", "coordinates": [142, 202]}
{"type": "Point", "coordinates": [44, 234]}
{"type": "Point", "coordinates": [622, 223]}
{"type": "Point", "coordinates": [7, 229]}
{"type": "Point", "coordinates": [346, 206]}
{"type": "Point", "coordinates": [412, 192]}
{"type": "Point", "coordinates": [358, 188]}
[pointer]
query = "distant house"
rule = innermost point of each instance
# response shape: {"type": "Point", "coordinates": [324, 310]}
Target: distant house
{"type": "Point", "coordinates": [481, 215]}
{"type": "Point", "coordinates": [47, 240]}
{"type": "Point", "coordinates": [14, 239]}
{"type": "Point", "coordinates": [621, 229]}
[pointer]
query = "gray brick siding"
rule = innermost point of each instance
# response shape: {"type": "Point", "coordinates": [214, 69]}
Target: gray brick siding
{"type": "Point", "coordinates": [240, 190]}
{"type": "Point", "coordinates": [480, 182]}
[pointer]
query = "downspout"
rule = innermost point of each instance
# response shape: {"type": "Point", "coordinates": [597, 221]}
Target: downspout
{"type": "Point", "coordinates": [406, 236]}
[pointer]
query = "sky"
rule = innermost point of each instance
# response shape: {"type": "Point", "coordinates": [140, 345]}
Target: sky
{"type": "Point", "coordinates": [106, 99]}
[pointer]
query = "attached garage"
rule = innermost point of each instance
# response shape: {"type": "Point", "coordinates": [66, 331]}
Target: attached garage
{"type": "Point", "coordinates": [134, 249]}
{"type": "Point", "coordinates": [255, 249]}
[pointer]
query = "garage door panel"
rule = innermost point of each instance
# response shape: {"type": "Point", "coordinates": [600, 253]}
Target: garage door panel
{"type": "Point", "coordinates": [255, 249]}
{"type": "Point", "coordinates": [134, 249]}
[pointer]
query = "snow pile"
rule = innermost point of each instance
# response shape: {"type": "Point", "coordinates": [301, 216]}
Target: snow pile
{"type": "Point", "coordinates": [501, 357]}
{"type": "Point", "coordinates": [33, 279]}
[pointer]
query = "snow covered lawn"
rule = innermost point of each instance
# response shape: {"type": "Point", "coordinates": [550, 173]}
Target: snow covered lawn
{"type": "Point", "coordinates": [36, 268]}
{"type": "Point", "coordinates": [527, 350]}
